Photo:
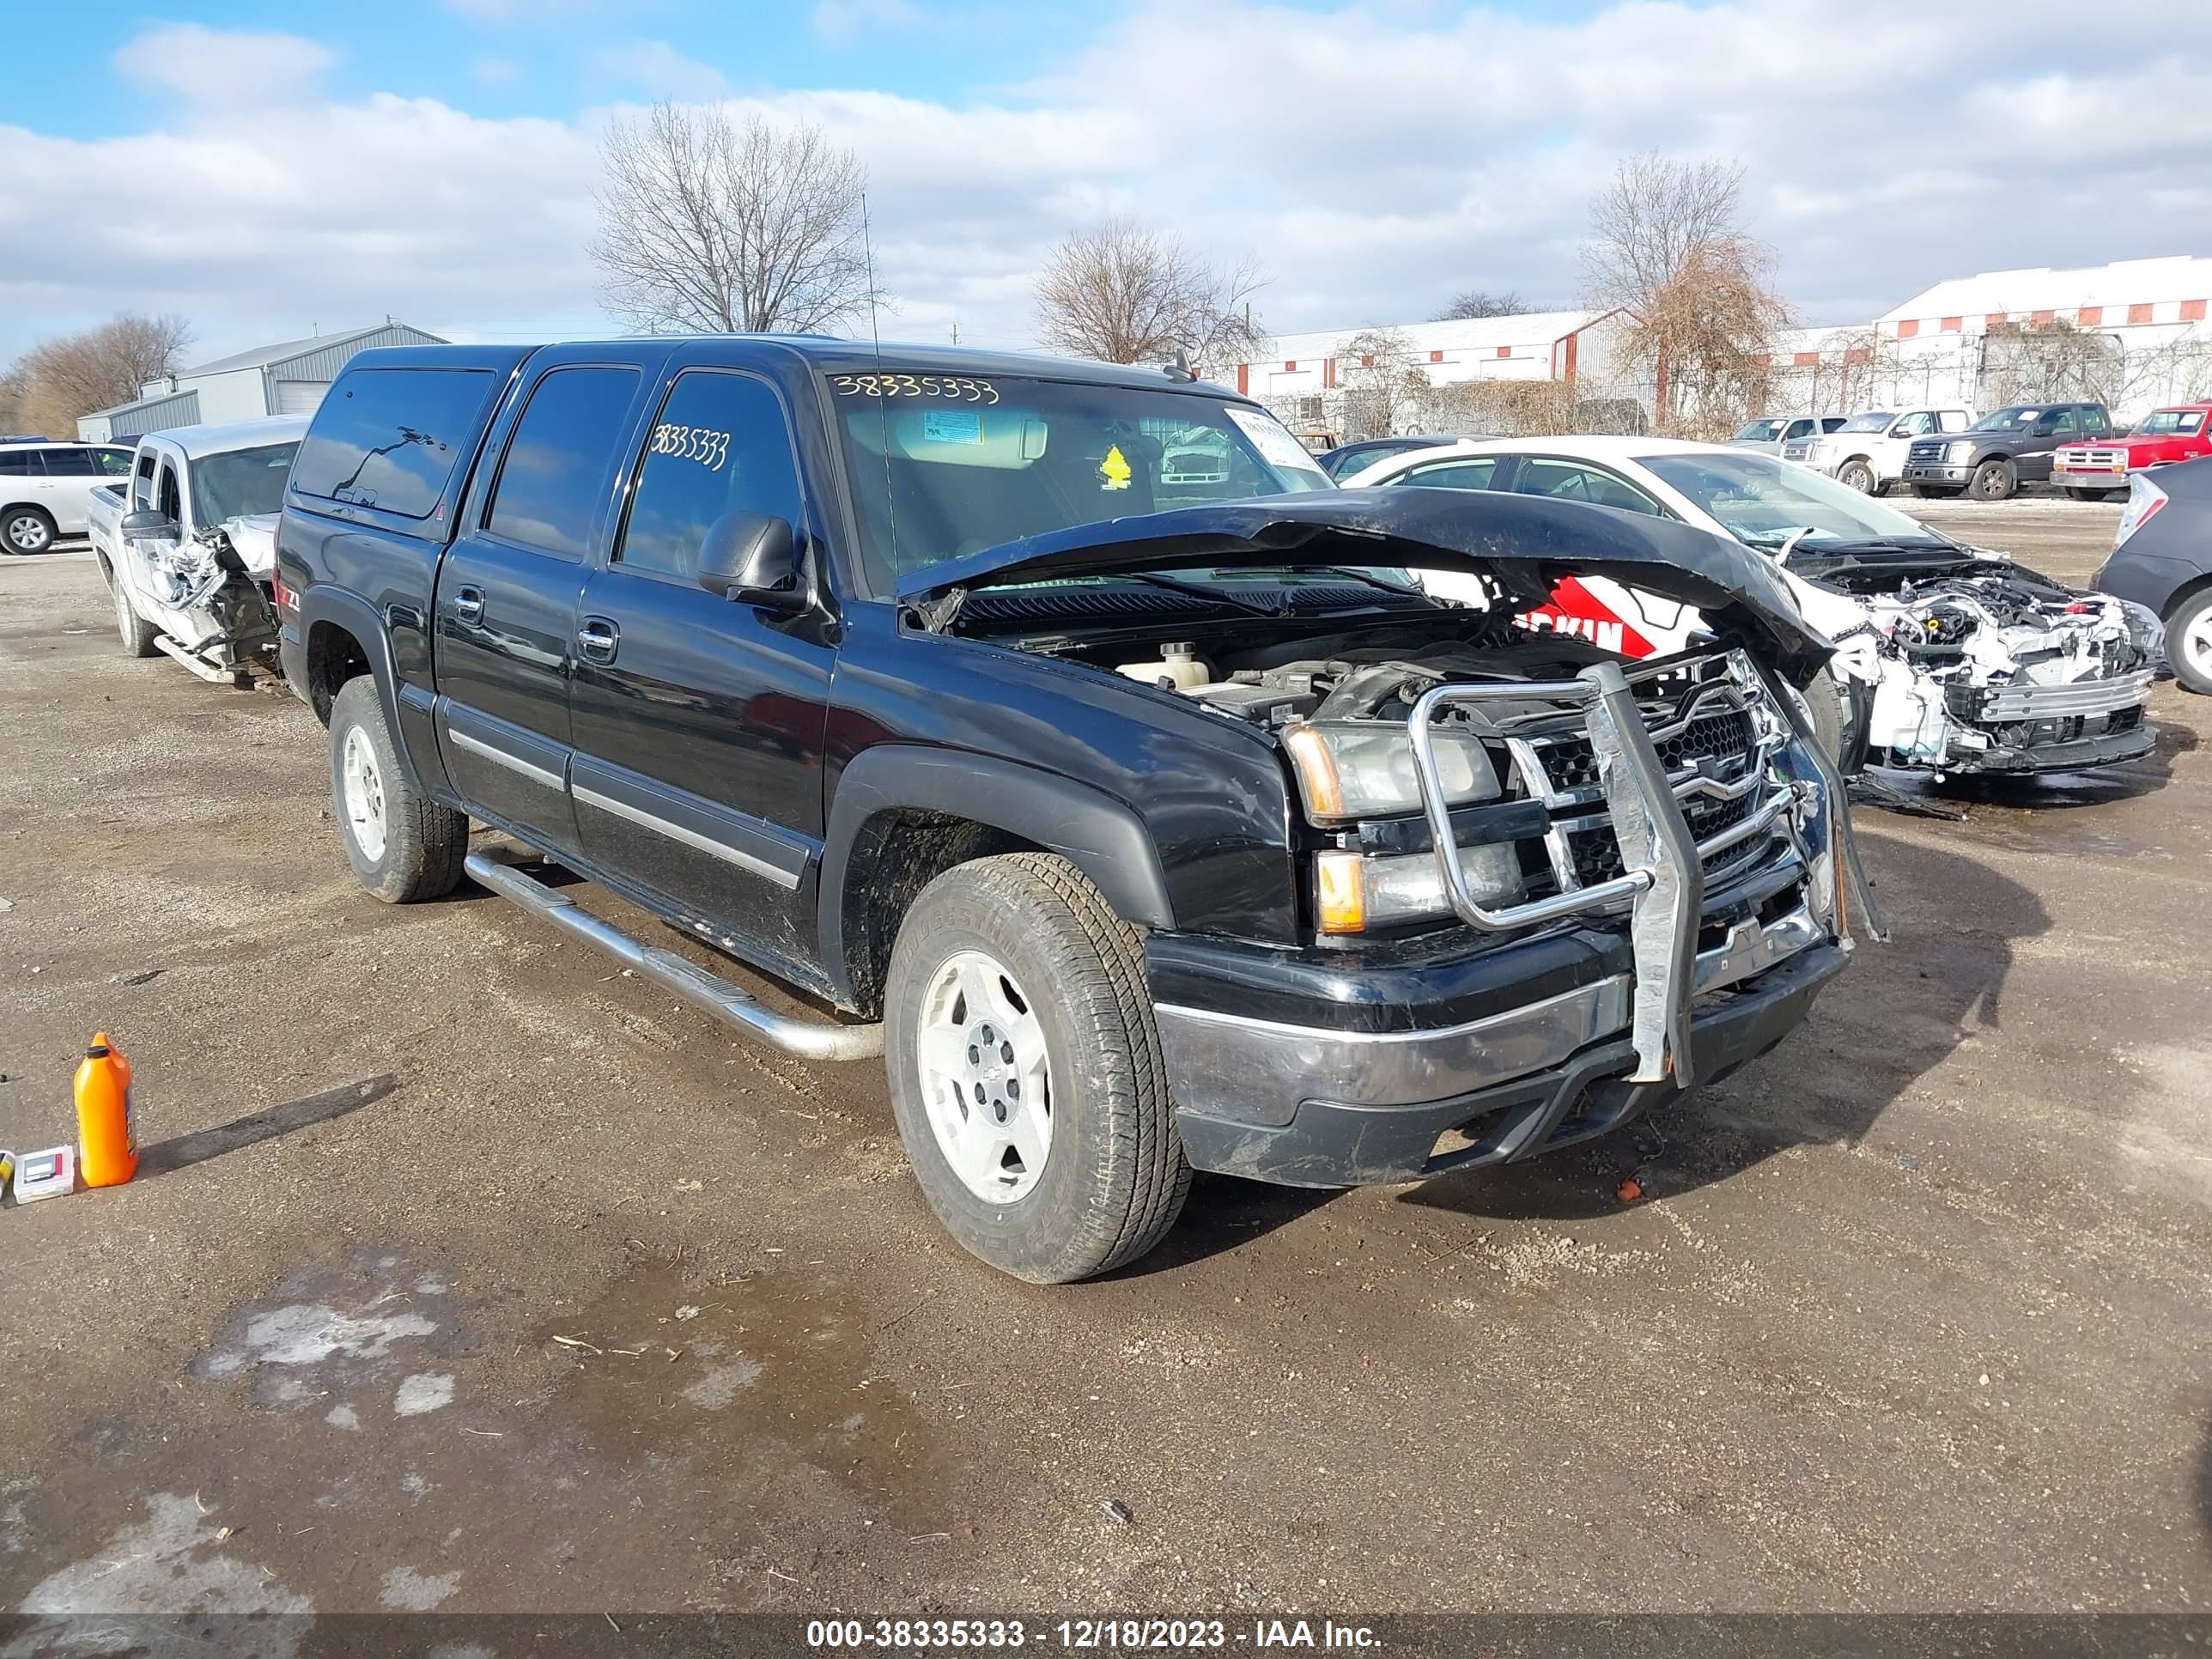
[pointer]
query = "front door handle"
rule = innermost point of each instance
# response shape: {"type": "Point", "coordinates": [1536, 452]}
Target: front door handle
{"type": "Point", "coordinates": [468, 605]}
{"type": "Point", "coordinates": [597, 638]}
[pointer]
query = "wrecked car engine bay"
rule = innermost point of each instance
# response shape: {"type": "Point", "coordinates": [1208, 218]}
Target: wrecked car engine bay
{"type": "Point", "coordinates": [1972, 663]}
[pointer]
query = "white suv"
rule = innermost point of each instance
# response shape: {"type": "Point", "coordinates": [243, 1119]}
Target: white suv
{"type": "Point", "coordinates": [1867, 453]}
{"type": "Point", "coordinates": [44, 489]}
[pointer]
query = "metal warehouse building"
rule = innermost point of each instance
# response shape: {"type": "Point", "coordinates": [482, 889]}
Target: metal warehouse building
{"type": "Point", "coordinates": [288, 377]}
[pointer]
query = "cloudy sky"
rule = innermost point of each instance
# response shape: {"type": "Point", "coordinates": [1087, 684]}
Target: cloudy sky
{"type": "Point", "coordinates": [270, 167]}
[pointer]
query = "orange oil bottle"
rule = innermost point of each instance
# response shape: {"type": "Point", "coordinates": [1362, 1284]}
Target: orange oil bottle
{"type": "Point", "coordinates": [107, 1155]}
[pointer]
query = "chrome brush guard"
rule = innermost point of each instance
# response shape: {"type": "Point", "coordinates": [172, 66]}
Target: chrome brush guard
{"type": "Point", "coordinates": [1662, 879]}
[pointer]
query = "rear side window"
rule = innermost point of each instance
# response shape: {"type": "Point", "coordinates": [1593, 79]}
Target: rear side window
{"type": "Point", "coordinates": [1474, 474]}
{"type": "Point", "coordinates": [561, 460]}
{"type": "Point", "coordinates": [389, 438]}
{"type": "Point", "coordinates": [69, 464]}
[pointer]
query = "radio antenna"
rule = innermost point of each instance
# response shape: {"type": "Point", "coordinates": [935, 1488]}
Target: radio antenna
{"type": "Point", "coordinates": [883, 415]}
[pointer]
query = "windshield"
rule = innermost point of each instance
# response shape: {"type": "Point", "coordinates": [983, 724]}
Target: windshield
{"type": "Point", "coordinates": [243, 482]}
{"type": "Point", "coordinates": [1759, 432]}
{"type": "Point", "coordinates": [946, 465]}
{"type": "Point", "coordinates": [2003, 420]}
{"type": "Point", "coordinates": [2171, 423]}
{"type": "Point", "coordinates": [1878, 421]}
{"type": "Point", "coordinates": [1765, 502]}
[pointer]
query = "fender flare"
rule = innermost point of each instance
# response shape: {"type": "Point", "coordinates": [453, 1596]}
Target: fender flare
{"type": "Point", "coordinates": [322, 604]}
{"type": "Point", "coordinates": [1101, 836]}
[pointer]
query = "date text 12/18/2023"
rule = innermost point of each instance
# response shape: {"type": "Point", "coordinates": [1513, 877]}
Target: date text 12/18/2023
{"type": "Point", "coordinates": [1080, 1635]}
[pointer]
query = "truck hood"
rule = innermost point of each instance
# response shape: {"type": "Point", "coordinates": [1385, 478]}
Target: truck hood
{"type": "Point", "coordinates": [1524, 543]}
{"type": "Point", "coordinates": [2131, 441]}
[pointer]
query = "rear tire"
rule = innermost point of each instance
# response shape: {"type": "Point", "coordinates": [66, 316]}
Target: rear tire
{"type": "Point", "coordinates": [1025, 943]}
{"type": "Point", "coordinates": [404, 846]}
{"type": "Point", "coordinates": [1994, 481]}
{"type": "Point", "coordinates": [26, 530]}
{"type": "Point", "coordinates": [136, 634]}
{"type": "Point", "coordinates": [1857, 474]}
{"type": "Point", "coordinates": [2189, 641]}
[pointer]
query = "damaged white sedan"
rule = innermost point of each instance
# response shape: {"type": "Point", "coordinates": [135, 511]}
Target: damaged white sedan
{"type": "Point", "coordinates": [1949, 659]}
{"type": "Point", "coordinates": [187, 544]}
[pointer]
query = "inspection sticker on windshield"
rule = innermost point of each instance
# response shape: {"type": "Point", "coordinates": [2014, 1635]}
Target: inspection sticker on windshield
{"type": "Point", "coordinates": [952, 426]}
{"type": "Point", "coordinates": [1275, 444]}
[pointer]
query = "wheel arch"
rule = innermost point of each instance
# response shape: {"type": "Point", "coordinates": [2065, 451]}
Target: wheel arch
{"type": "Point", "coordinates": [902, 814]}
{"type": "Point", "coordinates": [344, 638]}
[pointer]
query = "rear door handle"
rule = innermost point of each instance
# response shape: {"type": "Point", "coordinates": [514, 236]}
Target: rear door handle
{"type": "Point", "coordinates": [468, 605]}
{"type": "Point", "coordinates": [597, 638]}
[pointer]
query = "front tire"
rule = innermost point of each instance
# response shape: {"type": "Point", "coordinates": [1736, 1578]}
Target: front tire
{"type": "Point", "coordinates": [136, 634]}
{"type": "Point", "coordinates": [1026, 1074]}
{"type": "Point", "coordinates": [26, 530]}
{"type": "Point", "coordinates": [2189, 641]}
{"type": "Point", "coordinates": [1994, 481]}
{"type": "Point", "coordinates": [404, 846]}
{"type": "Point", "coordinates": [1829, 711]}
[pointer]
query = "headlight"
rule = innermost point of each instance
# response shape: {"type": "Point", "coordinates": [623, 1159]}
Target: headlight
{"type": "Point", "coordinates": [1350, 769]}
{"type": "Point", "coordinates": [1354, 892]}
{"type": "Point", "coordinates": [1959, 451]}
{"type": "Point", "coordinates": [2144, 628]}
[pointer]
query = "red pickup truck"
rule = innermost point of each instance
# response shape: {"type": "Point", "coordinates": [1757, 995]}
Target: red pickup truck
{"type": "Point", "coordinates": [2099, 470]}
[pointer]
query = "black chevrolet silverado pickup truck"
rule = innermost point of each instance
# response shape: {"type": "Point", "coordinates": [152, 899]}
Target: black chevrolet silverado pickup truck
{"type": "Point", "coordinates": [1102, 797]}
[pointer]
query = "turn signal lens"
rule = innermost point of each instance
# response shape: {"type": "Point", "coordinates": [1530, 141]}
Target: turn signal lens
{"type": "Point", "coordinates": [1317, 773]}
{"type": "Point", "coordinates": [1341, 891]}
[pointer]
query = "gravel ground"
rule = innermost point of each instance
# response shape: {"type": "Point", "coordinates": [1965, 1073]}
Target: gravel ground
{"type": "Point", "coordinates": [467, 1273]}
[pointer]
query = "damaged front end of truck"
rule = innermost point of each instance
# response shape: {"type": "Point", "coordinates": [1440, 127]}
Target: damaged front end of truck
{"type": "Point", "coordinates": [1544, 889]}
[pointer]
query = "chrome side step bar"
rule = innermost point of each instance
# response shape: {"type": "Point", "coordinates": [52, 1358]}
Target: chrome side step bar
{"type": "Point", "coordinates": [810, 1039]}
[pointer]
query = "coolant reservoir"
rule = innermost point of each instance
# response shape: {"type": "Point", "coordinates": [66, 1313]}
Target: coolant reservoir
{"type": "Point", "coordinates": [1175, 663]}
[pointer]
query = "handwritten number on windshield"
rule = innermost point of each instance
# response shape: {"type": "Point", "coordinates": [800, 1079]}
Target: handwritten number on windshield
{"type": "Point", "coordinates": [959, 387]}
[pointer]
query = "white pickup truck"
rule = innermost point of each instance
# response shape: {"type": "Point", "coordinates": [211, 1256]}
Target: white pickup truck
{"type": "Point", "coordinates": [188, 548]}
{"type": "Point", "coordinates": [1867, 453]}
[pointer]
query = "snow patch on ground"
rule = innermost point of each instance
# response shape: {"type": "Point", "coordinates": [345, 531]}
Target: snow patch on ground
{"type": "Point", "coordinates": [410, 1592]}
{"type": "Point", "coordinates": [424, 1391]}
{"type": "Point", "coordinates": [721, 1384]}
{"type": "Point", "coordinates": [169, 1563]}
{"type": "Point", "coordinates": [307, 1334]}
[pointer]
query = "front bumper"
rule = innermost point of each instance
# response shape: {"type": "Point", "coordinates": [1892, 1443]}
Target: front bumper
{"type": "Point", "coordinates": [2051, 728]}
{"type": "Point", "coordinates": [1293, 1067]}
{"type": "Point", "coordinates": [2089, 477]}
{"type": "Point", "coordinates": [1338, 1143]}
{"type": "Point", "coordinates": [1942, 477]}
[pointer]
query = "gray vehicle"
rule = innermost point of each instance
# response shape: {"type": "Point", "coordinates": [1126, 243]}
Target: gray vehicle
{"type": "Point", "coordinates": [2162, 559]}
{"type": "Point", "coordinates": [2006, 448]}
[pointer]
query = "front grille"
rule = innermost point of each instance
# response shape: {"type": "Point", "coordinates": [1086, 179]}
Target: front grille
{"type": "Point", "coordinates": [1708, 737]}
{"type": "Point", "coordinates": [1719, 743]}
{"type": "Point", "coordinates": [1597, 854]}
{"type": "Point", "coordinates": [1926, 455]}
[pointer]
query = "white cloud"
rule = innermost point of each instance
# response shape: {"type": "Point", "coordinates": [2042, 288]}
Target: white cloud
{"type": "Point", "coordinates": [495, 71]}
{"type": "Point", "coordinates": [202, 65]}
{"type": "Point", "coordinates": [840, 22]}
{"type": "Point", "coordinates": [661, 71]}
{"type": "Point", "coordinates": [1377, 160]}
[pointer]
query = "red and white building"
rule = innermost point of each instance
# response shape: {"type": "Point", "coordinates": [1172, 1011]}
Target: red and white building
{"type": "Point", "coordinates": [1304, 380]}
{"type": "Point", "coordinates": [2148, 318]}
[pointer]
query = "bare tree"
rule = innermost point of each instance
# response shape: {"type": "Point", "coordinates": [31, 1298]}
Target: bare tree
{"type": "Point", "coordinates": [708, 224]}
{"type": "Point", "coordinates": [1382, 381]}
{"type": "Point", "coordinates": [1480, 302]}
{"type": "Point", "coordinates": [57, 380]}
{"type": "Point", "coordinates": [1667, 246]}
{"type": "Point", "coordinates": [1127, 292]}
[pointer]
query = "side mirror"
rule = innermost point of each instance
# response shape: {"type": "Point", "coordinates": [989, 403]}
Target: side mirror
{"type": "Point", "coordinates": [148, 525]}
{"type": "Point", "coordinates": [753, 559]}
